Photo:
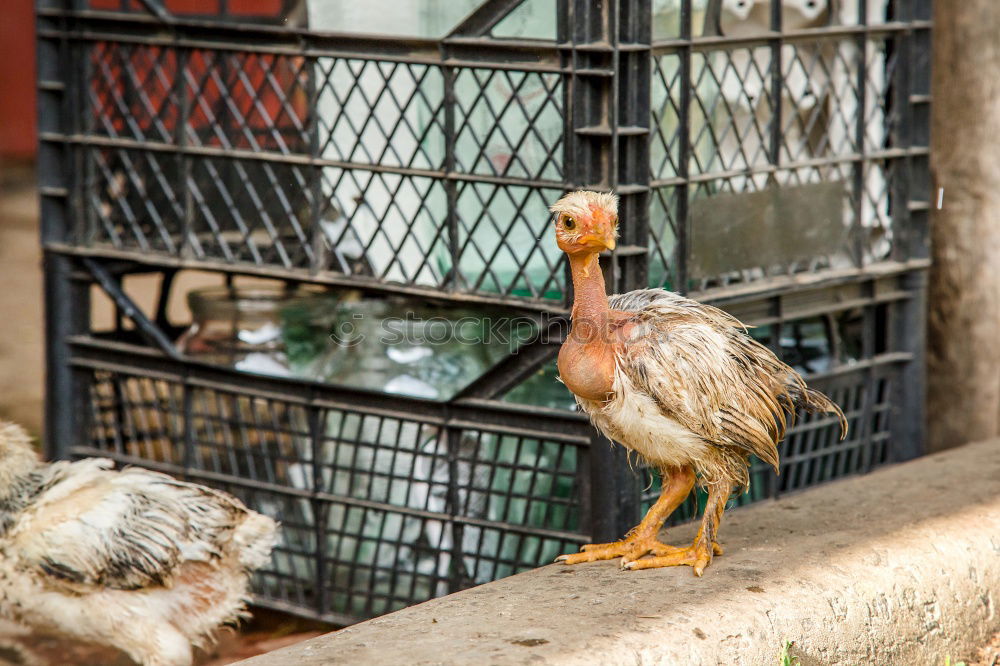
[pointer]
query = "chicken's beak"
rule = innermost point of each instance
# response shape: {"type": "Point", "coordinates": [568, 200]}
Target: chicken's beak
{"type": "Point", "coordinates": [597, 242]}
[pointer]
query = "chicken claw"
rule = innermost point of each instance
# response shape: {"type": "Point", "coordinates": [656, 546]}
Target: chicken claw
{"type": "Point", "coordinates": [629, 549]}
{"type": "Point", "coordinates": [641, 541]}
{"type": "Point", "coordinates": [698, 556]}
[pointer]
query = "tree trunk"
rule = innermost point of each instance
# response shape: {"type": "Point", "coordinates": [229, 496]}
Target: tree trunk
{"type": "Point", "coordinates": [963, 359]}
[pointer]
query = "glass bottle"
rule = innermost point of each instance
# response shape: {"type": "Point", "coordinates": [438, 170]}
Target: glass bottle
{"type": "Point", "coordinates": [264, 330]}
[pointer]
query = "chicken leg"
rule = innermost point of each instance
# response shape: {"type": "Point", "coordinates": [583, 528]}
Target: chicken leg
{"type": "Point", "coordinates": [641, 540]}
{"type": "Point", "coordinates": [699, 554]}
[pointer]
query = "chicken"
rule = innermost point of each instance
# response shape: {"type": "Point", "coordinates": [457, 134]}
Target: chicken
{"type": "Point", "coordinates": [133, 558]}
{"type": "Point", "coordinates": [676, 381]}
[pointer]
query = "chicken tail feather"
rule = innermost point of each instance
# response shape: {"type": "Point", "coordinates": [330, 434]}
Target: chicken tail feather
{"type": "Point", "coordinates": [816, 402]}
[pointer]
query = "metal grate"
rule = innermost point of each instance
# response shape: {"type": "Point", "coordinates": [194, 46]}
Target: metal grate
{"type": "Point", "coordinates": [774, 164]}
{"type": "Point", "coordinates": [249, 212]}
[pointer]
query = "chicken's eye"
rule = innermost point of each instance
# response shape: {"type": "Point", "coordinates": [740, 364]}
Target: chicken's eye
{"type": "Point", "coordinates": [569, 223]}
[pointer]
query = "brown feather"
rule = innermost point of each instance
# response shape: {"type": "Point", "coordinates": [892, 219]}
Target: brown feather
{"type": "Point", "coordinates": [703, 371]}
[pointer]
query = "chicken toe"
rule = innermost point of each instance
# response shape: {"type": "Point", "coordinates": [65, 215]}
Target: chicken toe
{"type": "Point", "coordinates": [677, 485]}
{"type": "Point", "coordinates": [698, 555]}
{"type": "Point", "coordinates": [629, 549]}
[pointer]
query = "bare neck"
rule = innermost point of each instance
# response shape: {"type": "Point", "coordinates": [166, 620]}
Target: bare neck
{"type": "Point", "coordinates": [590, 297]}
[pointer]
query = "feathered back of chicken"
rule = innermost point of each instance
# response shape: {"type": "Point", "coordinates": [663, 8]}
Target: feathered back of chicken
{"type": "Point", "coordinates": [130, 558]}
{"type": "Point", "coordinates": [701, 369]}
{"type": "Point", "coordinates": [778, 387]}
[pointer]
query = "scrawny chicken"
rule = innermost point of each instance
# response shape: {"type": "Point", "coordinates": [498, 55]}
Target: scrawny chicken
{"type": "Point", "coordinates": [133, 559]}
{"type": "Point", "coordinates": [676, 381]}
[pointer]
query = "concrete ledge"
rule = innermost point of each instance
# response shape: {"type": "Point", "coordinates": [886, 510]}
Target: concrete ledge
{"type": "Point", "coordinates": [898, 567]}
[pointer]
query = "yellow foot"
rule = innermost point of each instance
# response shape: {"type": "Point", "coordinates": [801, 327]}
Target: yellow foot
{"type": "Point", "coordinates": [698, 556]}
{"type": "Point", "coordinates": [629, 549]}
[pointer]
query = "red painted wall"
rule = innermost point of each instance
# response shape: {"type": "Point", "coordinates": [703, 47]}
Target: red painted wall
{"type": "Point", "coordinates": [18, 138]}
{"type": "Point", "coordinates": [17, 79]}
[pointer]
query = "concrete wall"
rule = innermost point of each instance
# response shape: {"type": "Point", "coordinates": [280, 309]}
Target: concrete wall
{"type": "Point", "coordinates": [898, 567]}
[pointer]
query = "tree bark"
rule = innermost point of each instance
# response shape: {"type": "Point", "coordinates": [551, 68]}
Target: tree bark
{"type": "Point", "coordinates": [963, 359]}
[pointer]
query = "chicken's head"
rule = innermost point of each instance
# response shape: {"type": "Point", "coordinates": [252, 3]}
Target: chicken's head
{"type": "Point", "coordinates": [586, 222]}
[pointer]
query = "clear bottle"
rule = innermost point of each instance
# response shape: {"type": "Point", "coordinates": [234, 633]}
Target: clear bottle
{"type": "Point", "coordinates": [263, 330]}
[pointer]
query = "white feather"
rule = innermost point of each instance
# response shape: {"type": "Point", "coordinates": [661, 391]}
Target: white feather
{"type": "Point", "coordinates": [632, 418]}
{"type": "Point", "coordinates": [134, 559]}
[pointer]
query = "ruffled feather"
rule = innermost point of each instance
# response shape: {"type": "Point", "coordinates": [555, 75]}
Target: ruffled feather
{"type": "Point", "coordinates": [698, 366]}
